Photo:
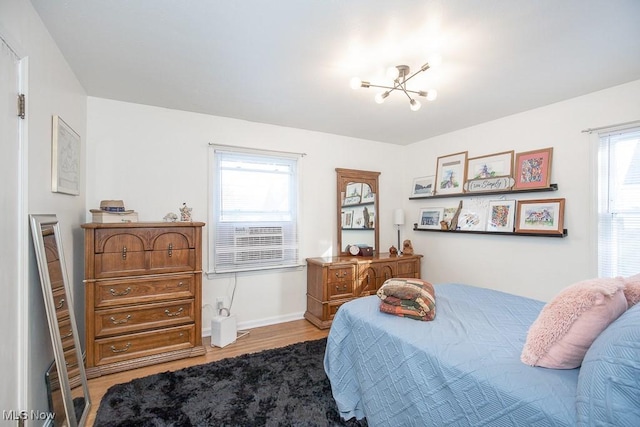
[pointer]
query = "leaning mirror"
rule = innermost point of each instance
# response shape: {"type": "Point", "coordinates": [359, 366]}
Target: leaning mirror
{"type": "Point", "coordinates": [66, 379]}
{"type": "Point", "coordinates": [357, 209]}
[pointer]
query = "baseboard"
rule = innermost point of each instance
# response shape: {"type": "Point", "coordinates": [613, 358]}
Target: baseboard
{"type": "Point", "coordinates": [261, 322]}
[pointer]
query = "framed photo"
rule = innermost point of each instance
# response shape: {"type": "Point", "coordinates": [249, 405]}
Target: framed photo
{"type": "Point", "coordinates": [423, 186]}
{"type": "Point", "coordinates": [533, 169]}
{"type": "Point", "coordinates": [65, 158]}
{"type": "Point", "coordinates": [451, 173]}
{"type": "Point", "coordinates": [471, 220]}
{"type": "Point", "coordinates": [500, 216]}
{"type": "Point", "coordinates": [430, 218]}
{"type": "Point", "coordinates": [367, 194]}
{"type": "Point", "coordinates": [353, 195]}
{"type": "Point", "coordinates": [490, 166]}
{"type": "Point", "coordinates": [540, 216]}
{"type": "Point", "coordinates": [347, 218]}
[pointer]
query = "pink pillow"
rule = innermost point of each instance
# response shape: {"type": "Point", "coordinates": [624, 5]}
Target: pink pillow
{"type": "Point", "coordinates": [567, 325]}
{"type": "Point", "coordinates": [632, 290]}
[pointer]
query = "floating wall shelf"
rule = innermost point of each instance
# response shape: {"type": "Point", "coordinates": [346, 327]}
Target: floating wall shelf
{"type": "Point", "coordinates": [552, 187]}
{"type": "Point", "coordinates": [565, 233]}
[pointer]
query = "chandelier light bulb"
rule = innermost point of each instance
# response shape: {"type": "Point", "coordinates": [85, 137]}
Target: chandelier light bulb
{"type": "Point", "coordinates": [432, 94]}
{"type": "Point", "coordinates": [415, 105]}
{"type": "Point", "coordinates": [393, 73]}
{"type": "Point", "coordinates": [381, 96]}
{"type": "Point", "coordinates": [355, 83]}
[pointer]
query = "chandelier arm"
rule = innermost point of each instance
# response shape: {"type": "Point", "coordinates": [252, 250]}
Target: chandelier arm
{"type": "Point", "coordinates": [424, 68]}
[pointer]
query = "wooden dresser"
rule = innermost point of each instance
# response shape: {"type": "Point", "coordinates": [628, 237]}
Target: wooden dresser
{"type": "Point", "coordinates": [332, 281]}
{"type": "Point", "coordinates": [143, 294]}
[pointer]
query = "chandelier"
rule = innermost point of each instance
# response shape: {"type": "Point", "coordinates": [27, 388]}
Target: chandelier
{"type": "Point", "coordinates": [400, 74]}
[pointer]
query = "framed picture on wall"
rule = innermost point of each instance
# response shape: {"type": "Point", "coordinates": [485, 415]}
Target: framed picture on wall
{"type": "Point", "coordinates": [500, 216]}
{"type": "Point", "coordinates": [540, 216]}
{"type": "Point", "coordinates": [423, 186]}
{"type": "Point", "coordinates": [430, 218]}
{"type": "Point", "coordinates": [65, 158]}
{"type": "Point", "coordinates": [451, 173]}
{"type": "Point", "coordinates": [490, 166]}
{"type": "Point", "coordinates": [533, 169]}
{"type": "Point", "coordinates": [353, 195]}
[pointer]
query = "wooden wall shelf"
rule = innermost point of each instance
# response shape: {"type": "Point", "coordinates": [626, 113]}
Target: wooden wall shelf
{"type": "Point", "coordinates": [565, 233]}
{"type": "Point", "coordinates": [552, 187]}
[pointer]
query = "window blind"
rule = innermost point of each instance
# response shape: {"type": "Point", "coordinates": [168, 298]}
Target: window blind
{"type": "Point", "coordinates": [255, 211]}
{"type": "Point", "coordinates": [619, 203]}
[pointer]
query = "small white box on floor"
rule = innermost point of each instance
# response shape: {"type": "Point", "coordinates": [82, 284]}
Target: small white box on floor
{"type": "Point", "coordinates": [223, 330]}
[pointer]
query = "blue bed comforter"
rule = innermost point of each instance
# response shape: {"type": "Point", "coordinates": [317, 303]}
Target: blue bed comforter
{"type": "Point", "coordinates": [463, 368]}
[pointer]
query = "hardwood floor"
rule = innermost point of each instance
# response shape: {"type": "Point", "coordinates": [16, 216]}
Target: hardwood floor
{"type": "Point", "coordinates": [258, 339]}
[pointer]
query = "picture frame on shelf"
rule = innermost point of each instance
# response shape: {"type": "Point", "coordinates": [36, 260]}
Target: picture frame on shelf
{"type": "Point", "coordinates": [451, 173]}
{"type": "Point", "coordinates": [533, 169]}
{"type": "Point", "coordinates": [545, 216]}
{"type": "Point", "coordinates": [430, 218]}
{"type": "Point", "coordinates": [347, 218]}
{"type": "Point", "coordinates": [500, 216]}
{"type": "Point", "coordinates": [490, 166]}
{"type": "Point", "coordinates": [471, 220]}
{"type": "Point", "coordinates": [358, 219]}
{"type": "Point", "coordinates": [368, 196]}
{"type": "Point", "coordinates": [423, 186]}
{"type": "Point", "coordinates": [353, 194]}
{"type": "Point", "coordinates": [65, 158]}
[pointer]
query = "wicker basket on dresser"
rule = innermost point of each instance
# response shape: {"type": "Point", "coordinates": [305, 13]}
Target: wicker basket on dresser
{"type": "Point", "coordinates": [143, 294]}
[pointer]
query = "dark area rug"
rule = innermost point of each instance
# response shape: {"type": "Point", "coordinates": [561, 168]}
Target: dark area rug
{"type": "Point", "coordinates": [280, 387]}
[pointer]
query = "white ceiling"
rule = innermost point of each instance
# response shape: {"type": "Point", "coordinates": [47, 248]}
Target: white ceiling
{"type": "Point", "coordinates": [289, 62]}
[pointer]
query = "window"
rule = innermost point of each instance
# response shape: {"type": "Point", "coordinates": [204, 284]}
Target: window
{"type": "Point", "coordinates": [254, 212]}
{"type": "Point", "coordinates": [619, 203]}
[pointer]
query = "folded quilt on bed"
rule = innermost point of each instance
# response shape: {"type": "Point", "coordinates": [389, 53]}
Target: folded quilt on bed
{"type": "Point", "coordinates": [412, 298]}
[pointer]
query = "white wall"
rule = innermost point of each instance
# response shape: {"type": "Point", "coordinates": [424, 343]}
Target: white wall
{"type": "Point", "coordinates": [155, 159]}
{"type": "Point", "coordinates": [532, 266]}
{"type": "Point", "coordinates": [52, 90]}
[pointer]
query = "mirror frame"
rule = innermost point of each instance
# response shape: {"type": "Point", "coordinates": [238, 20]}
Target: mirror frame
{"type": "Point", "coordinates": [344, 177]}
{"type": "Point", "coordinates": [38, 223]}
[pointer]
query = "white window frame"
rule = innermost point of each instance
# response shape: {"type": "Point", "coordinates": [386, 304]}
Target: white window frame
{"type": "Point", "coordinates": [613, 242]}
{"type": "Point", "coordinates": [283, 234]}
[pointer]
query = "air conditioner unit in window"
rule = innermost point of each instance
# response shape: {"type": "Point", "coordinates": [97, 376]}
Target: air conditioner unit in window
{"type": "Point", "coordinates": [257, 244]}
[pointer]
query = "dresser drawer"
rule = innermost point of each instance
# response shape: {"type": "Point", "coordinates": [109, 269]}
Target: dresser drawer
{"type": "Point", "coordinates": [126, 347]}
{"type": "Point", "coordinates": [143, 317]}
{"type": "Point", "coordinates": [340, 281]}
{"type": "Point", "coordinates": [408, 268]}
{"type": "Point", "coordinates": [110, 293]}
{"type": "Point", "coordinates": [125, 252]}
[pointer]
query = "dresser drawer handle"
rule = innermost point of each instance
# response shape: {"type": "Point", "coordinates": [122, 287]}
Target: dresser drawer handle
{"type": "Point", "coordinates": [121, 321]}
{"type": "Point", "coordinates": [170, 250]}
{"type": "Point", "coordinates": [174, 314]}
{"type": "Point", "coordinates": [69, 334]}
{"type": "Point", "coordinates": [341, 274]}
{"type": "Point", "coordinates": [180, 284]}
{"type": "Point", "coordinates": [122, 350]}
{"type": "Point", "coordinates": [120, 294]}
{"type": "Point", "coordinates": [343, 288]}
{"type": "Point", "coordinates": [60, 304]}
{"type": "Point", "coordinates": [124, 252]}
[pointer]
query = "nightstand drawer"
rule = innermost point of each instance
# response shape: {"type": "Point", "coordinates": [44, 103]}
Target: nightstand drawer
{"type": "Point", "coordinates": [110, 293]}
{"type": "Point", "coordinates": [136, 318]}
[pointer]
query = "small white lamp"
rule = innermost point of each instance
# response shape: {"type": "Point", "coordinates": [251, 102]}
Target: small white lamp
{"type": "Point", "coordinates": [398, 220]}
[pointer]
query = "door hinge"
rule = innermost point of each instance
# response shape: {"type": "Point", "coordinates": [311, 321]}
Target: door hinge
{"type": "Point", "coordinates": [21, 105]}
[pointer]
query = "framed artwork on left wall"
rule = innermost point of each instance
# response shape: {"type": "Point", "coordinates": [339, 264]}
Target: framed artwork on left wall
{"type": "Point", "coordinates": [65, 158]}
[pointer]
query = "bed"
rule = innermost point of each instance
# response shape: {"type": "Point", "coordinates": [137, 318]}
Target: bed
{"type": "Point", "coordinates": [463, 368]}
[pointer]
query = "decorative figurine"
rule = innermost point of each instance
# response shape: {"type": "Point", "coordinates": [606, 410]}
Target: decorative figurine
{"type": "Point", "coordinates": [453, 226]}
{"type": "Point", "coordinates": [185, 213]}
{"type": "Point", "coordinates": [393, 250]}
{"type": "Point", "coordinates": [170, 217]}
{"type": "Point", "coordinates": [407, 247]}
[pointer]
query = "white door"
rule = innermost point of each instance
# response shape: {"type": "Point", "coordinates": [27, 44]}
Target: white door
{"type": "Point", "coordinates": [11, 228]}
